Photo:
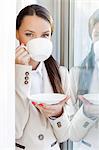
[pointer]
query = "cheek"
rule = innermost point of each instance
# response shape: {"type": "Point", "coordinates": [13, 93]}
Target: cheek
{"type": "Point", "coordinates": [23, 39]}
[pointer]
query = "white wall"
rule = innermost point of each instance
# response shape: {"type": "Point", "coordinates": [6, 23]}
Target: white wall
{"type": "Point", "coordinates": [22, 3]}
{"type": "Point", "coordinates": [7, 82]}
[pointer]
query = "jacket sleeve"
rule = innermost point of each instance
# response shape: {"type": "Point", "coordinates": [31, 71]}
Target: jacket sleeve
{"type": "Point", "coordinates": [61, 124]}
{"type": "Point", "coordinates": [80, 124]}
{"type": "Point", "coordinates": [23, 80]}
{"type": "Point", "coordinates": [22, 86]}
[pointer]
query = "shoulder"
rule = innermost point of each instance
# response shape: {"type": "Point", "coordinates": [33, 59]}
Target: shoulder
{"type": "Point", "coordinates": [64, 74]}
{"type": "Point", "coordinates": [75, 71]}
{"type": "Point", "coordinates": [63, 70]}
{"type": "Point", "coordinates": [64, 78]}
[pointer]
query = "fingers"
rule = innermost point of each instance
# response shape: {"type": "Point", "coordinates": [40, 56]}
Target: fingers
{"type": "Point", "coordinates": [21, 46]}
{"type": "Point", "coordinates": [22, 56]}
{"type": "Point", "coordinates": [50, 110]}
{"type": "Point", "coordinates": [64, 100]}
{"type": "Point", "coordinates": [43, 109]}
{"type": "Point", "coordinates": [83, 99]}
{"type": "Point", "coordinates": [53, 109]}
{"type": "Point", "coordinates": [20, 51]}
{"type": "Point", "coordinates": [39, 106]}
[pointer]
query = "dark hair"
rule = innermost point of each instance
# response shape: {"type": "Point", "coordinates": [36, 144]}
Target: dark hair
{"type": "Point", "coordinates": [94, 18]}
{"type": "Point", "coordinates": [51, 65]}
{"type": "Point", "coordinates": [37, 10]}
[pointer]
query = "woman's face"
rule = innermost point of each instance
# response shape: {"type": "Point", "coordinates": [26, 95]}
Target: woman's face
{"type": "Point", "coordinates": [95, 33]}
{"type": "Point", "coordinates": [33, 27]}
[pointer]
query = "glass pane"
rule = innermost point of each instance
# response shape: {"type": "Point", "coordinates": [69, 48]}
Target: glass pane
{"type": "Point", "coordinates": [82, 42]}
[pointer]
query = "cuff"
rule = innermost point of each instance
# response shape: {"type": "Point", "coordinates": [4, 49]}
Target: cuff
{"type": "Point", "coordinates": [59, 122]}
{"type": "Point", "coordinates": [80, 125]}
{"type": "Point", "coordinates": [61, 127]}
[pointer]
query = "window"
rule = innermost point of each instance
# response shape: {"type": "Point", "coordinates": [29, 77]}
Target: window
{"type": "Point", "coordinates": [82, 42]}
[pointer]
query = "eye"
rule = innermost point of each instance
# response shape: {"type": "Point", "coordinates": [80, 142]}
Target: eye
{"type": "Point", "coordinates": [45, 35]}
{"type": "Point", "coordinates": [29, 34]}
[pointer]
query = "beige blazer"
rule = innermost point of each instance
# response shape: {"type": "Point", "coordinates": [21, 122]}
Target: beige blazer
{"type": "Point", "coordinates": [83, 129]}
{"type": "Point", "coordinates": [33, 130]}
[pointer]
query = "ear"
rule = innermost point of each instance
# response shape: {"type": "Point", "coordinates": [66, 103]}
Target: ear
{"type": "Point", "coordinates": [17, 34]}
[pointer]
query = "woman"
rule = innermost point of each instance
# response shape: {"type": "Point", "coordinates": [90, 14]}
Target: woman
{"type": "Point", "coordinates": [38, 126]}
{"type": "Point", "coordinates": [84, 80]}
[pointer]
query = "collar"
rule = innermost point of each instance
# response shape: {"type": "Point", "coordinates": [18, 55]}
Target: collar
{"type": "Point", "coordinates": [39, 69]}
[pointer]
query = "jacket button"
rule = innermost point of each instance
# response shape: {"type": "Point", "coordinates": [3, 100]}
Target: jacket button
{"type": "Point", "coordinates": [26, 78]}
{"type": "Point", "coordinates": [59, 124]}
{"type": "Point", "coordinates": [85, 124]}
{"type": "Point", "coordinates": [41, 137]}
{"type": "Point", "coordinates": [26, 73]}
{"type": "Point", "coordinates": [25, 82]}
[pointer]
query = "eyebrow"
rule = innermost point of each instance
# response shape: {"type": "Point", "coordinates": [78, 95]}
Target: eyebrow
{"type": "Point", "coordinates": [34, 31]}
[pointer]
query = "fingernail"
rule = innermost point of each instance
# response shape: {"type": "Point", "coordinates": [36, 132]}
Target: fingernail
{"type": "Point", "coordinates": [41, 104]}
{"type": "Point", "coordinates": [34, 103]}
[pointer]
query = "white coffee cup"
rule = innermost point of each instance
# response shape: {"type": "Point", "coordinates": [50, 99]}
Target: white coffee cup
{"type": "Point", "coordinates": [39, 49]}
{"type": "Point", "coordinates": [48, 98]}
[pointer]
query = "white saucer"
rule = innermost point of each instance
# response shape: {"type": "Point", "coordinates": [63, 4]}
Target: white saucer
{"type": "Point", "coordinates": [48, 98]}
{"type": "Point", "coordinates": [93, 98]}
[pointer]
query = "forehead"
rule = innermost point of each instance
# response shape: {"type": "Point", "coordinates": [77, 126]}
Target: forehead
{"type": "Point", "coordinates": [35, 23]}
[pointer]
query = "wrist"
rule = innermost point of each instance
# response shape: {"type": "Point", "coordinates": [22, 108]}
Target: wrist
{"type": "Point", "coordinates": [59, 113]}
